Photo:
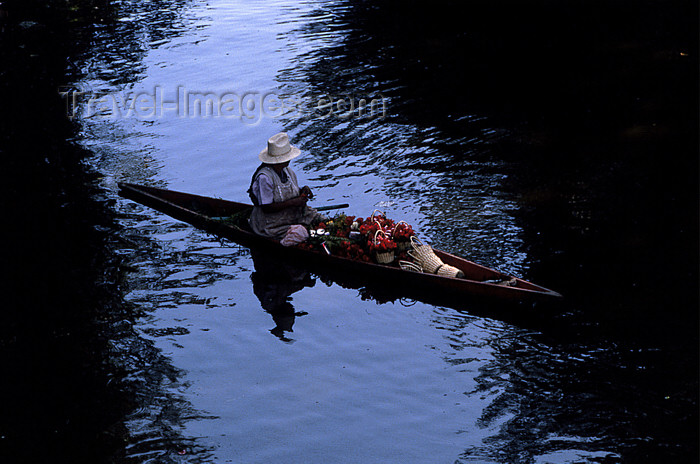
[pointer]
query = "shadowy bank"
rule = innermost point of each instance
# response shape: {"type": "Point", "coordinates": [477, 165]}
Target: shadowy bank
{"type": "Point", "coordinates": [73, 368]}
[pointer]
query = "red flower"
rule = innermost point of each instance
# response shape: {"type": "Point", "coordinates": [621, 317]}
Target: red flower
{"type": "Point", "coordinates": [382, 244]}
{"type": "Point", "coordinates": [369, 229]}
{"type": "Point", "coordinates": [403, 232]}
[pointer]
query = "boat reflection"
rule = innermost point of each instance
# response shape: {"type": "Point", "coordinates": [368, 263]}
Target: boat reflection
{"type": "Point", "coordinates": [274, 282]}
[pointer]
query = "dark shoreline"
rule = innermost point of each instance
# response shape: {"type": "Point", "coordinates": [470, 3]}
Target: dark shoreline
{"type": "Point", "coordinates": [74, 368]}
{"type": "Point", "coordinates": [62, 280]}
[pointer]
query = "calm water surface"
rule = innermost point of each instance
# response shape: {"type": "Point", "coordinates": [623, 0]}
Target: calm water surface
{"type": "Point", "coordinates": [332, 376]}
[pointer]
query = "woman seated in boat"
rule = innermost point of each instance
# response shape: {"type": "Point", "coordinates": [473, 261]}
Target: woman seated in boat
{"type": "Point", "coordinates": [278, 201]}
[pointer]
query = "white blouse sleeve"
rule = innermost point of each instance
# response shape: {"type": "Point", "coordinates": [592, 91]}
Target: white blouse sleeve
{"type": "Point", "coordinates": [262, 189]}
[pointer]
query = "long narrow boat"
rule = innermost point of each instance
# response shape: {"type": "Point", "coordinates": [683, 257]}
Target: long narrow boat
{"type": "Point", "coordinates": [479, 282]}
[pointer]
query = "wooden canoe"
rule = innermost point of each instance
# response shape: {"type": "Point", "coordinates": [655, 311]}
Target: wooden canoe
{"type": "Point", "coordinates": [200, 211]}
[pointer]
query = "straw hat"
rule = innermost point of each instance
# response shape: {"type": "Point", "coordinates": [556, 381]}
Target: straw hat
{"type": "Point", "coordinates": [278, 150]}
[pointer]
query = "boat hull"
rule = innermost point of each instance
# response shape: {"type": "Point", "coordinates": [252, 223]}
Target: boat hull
{"type": "Point", "coordinates": [199, 211]}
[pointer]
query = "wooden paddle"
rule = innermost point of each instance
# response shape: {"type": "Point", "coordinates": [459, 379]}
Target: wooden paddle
{"type": "Point", "coordinates": [320, 208]}
{"type": "Point", "coordinates": [330, 207]}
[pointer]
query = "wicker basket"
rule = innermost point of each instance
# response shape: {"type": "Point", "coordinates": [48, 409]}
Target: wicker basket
{"type": "Point", "coordinates": [381, 213]}
{"type": "Point", "coordinates": [386, 257]}
{"type": "Point", "coordinates": [404, 244]}
{"type": "Point", "coordinates": [446, 270]}
{"type": "Point", "coordinates": [409, 266]}
{"type": "Point", "coordinates": [425, 257]}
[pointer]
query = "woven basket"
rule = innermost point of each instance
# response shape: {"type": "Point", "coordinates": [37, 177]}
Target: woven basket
{"type": "Point", "coordinates": [404, 244]}
{"type": "Point", "coordinates": [375, 212]}
{"type": "Point", "coordinates": [446, 270]}
{"type": "Point", "coordinates": [386, 257]}
{"type": "Point", "coordinates": [409, 266]}
{"type": "Point", "coordinates": [424, 257]}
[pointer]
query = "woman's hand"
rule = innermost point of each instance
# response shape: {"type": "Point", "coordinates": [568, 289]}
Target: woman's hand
{"type": "Point", "coordinates": [292, 202]}
{"type": "Point", "coordinates": [298, 201]}
{"type": "Point", "coordinates": [305, 190]}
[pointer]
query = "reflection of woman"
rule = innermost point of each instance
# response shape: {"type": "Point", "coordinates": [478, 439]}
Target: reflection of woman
{"type": "Point", "coordinates": [278, 201]}
{"type": "Point", "coordinates": [273, 283]}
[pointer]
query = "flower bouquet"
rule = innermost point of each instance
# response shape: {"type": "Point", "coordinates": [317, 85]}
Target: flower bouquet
{"type": "Point", "coordinates": [368, 229]}
{"type": "Point", "coordinates": [340, 226]}
{"type": "Point", "coordinates": [402, 234]}
{"type": "Point", "coordinates": [351, 250]}
{"type": "Point", "coordinates": [375, 238]}
{"type": "Point", "coordinates": [383, 247]}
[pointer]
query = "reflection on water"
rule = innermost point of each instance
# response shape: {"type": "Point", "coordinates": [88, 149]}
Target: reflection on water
{"type": "Point", "coordinates": [273, 284]}
{"type": "Point", "coordinates": [487, 174]}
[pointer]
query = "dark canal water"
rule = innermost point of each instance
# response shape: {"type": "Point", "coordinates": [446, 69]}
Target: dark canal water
{"type": "Point", "coordinates": [556, 141]}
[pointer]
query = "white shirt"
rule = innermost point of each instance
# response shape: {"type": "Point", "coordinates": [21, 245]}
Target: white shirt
{"type": "Point", "coordinates": [262, 189]}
